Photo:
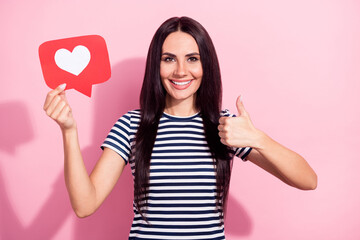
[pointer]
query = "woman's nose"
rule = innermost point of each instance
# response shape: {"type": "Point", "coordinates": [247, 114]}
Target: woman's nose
{"type": "Point", "coordinates": [180, 69]}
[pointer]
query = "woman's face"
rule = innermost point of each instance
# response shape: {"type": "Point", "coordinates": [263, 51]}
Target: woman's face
{"type": "Point", "coordinates": [180, 67]}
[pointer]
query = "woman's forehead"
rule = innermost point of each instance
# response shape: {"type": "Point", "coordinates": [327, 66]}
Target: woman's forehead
{"type": "Point", "coordinates": [180, 43]}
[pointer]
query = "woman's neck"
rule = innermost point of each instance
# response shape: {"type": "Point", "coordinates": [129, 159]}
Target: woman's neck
{"type": "Point", "coordinates": [181, 108]}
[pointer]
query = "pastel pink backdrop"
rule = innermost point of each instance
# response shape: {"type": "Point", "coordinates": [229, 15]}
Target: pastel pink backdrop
{"type": "Point", "coordinates": [295, 62]}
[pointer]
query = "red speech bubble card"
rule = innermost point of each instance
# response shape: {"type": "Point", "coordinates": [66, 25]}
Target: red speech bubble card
{"type": "Point", "coordinates": [79, 62]}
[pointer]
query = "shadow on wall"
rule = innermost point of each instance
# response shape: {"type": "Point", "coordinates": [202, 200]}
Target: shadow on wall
{"type": "Point", "coordinates": [113, 219]}
{"type": "Point", "coordinates": [12, 135]}
{"type": "Point", "coordinates": [237, 221]}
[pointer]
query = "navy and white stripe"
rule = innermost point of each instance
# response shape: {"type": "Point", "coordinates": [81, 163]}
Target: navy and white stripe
{"type": "Point", "coordinates": [182, 192]}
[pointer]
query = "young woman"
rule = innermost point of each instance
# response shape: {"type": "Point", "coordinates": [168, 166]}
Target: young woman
{"type": "Point", "coordinates": [179, 144]}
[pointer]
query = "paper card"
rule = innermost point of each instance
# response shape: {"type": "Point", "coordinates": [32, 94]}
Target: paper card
{"type": "Point", "coordinates": [79, 62]}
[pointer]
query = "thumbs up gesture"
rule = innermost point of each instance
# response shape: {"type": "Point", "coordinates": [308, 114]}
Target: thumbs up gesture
{"type": "Point", "coordinates": [238, 131]}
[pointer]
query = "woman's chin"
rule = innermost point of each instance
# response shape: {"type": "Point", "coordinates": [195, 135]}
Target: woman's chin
{"type": "Point", "coordinates": [178, 97]}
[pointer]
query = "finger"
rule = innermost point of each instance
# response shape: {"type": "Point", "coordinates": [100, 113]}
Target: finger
{"type": "Point", "coordinates": [50, 96]}
{"type": "Point", "coordinates": [59, 107]}
{"type": "Point", "coordinates": [240, 106]}
{"type": "Point", "coordinates": [63, 97]}
{"type": "Point", "coordinates": [223, 128]}
{"type": "Point", "coordinates": [222, 120]}
{"type": "Point", "coordinates": [50, 109]}
{"type": "Point", "coordinates": [222, 135]}
{"type": "Point", "coordinates": [64, 114]}
{"type": "Point", "coordinates": [223, 141]}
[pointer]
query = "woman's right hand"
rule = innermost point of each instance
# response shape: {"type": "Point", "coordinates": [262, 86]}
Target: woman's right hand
{"type": "Point", "coordinates": [57, 107]}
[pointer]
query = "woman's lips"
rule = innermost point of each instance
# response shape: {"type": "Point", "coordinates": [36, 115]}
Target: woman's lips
{"type": "Point", "coordinates": [181, 84]}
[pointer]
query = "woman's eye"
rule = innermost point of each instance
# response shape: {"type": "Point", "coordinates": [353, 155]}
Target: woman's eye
{"type": "Point", "coordinates": [169, 59]}
{"type": "Point", "coordinates": [193, 59]}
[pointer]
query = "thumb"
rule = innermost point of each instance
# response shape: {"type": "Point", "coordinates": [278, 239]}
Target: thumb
{"type": "Point", "coordinates": [240, 106]}
{"type": "Point", "coordinates": [63, 95]}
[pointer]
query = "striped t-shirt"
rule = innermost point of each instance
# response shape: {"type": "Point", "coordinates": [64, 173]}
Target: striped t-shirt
{"type": "Point", "coordinates": [182, 191]}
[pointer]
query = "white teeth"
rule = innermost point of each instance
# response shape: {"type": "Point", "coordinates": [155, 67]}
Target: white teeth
{"type": "Point", "coordinates": [181, 83]}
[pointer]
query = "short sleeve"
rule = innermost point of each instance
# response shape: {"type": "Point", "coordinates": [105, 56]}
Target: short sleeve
{"type": "Point", "coordinates": [118, 138]}
{"type": "Point", "coordinates": [243, 152]}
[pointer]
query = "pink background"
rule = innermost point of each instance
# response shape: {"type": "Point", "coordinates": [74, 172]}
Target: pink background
{"type": "Point", "coordinates": [295, 62]}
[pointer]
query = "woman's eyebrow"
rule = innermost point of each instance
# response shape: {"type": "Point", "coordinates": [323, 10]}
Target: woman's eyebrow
{"type": "Point", "coordinates": [187, 55]}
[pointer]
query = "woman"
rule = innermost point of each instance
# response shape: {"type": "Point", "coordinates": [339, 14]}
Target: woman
{"type": "Point", "coordinates": [180, 145]}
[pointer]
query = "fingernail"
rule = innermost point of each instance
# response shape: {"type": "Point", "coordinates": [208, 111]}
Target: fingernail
{"type": "Point", "coordinates": [62, 86]}
{"type": "Point", "coordinates": [241, 98]}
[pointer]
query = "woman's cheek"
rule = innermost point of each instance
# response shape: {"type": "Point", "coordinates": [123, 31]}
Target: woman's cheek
{"type": "Point", "coordinates": [197, 71]}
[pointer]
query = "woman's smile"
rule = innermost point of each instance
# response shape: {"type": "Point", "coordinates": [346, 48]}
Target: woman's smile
{"type": "Point", "coordinates": [181, 84]}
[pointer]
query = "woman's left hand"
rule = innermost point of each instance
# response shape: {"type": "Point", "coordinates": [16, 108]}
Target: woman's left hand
{"type": "Point", "coordinates": [238, 131]}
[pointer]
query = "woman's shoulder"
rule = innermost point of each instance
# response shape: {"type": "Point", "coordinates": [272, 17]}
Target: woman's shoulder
{"type": "Point", "coordinates": [129, 115]}
{"type": "Point", "coordinates": [135, 112]}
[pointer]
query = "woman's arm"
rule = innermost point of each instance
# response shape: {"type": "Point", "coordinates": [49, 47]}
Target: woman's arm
{"type": "Point", "coordinates": [268, 154]}
{"type": "Point", "coordinates": [283, 163]}
{"type": "Point", "coordinates": [86, 192]}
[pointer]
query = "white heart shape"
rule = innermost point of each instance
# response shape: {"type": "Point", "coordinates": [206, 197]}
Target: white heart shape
{"type": "Point", "coordinates": [73, 62]}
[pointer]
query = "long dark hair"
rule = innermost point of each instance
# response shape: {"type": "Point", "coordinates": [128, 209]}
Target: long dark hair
{"type": "Point", "coordinates": [208, 101]}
